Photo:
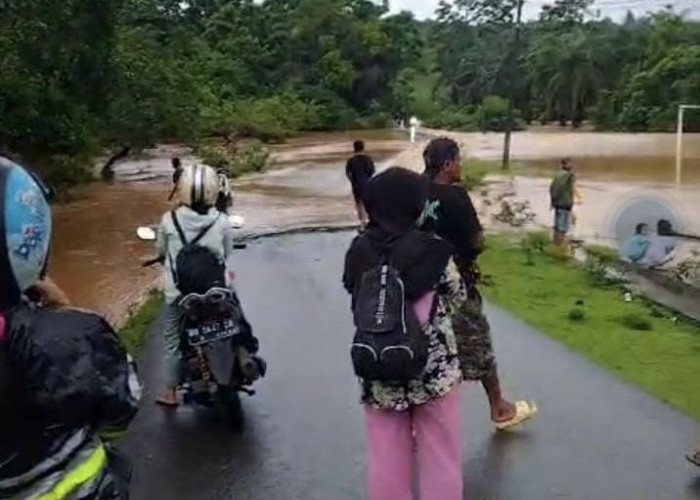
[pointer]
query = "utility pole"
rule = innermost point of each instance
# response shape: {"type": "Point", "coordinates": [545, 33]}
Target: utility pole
{"type": "Point", "coordinates": [513, 59]}
{"type": "Point", "coordinates": [679, 139]}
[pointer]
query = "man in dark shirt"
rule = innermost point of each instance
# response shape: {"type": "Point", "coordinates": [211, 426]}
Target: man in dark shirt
{"type": "Point", "coordinates": [359, 169]}
{"type": "Point", "coordinates": [177, 172]}
{"type": "Point", "coordinates": [450, 214]}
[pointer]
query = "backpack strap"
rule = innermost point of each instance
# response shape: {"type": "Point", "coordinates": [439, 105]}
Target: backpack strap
{"type": "Point", "coordinates": [204, 231]}
{"type": "Point", "coordinates": [183, 240]}
{"type": "Point", "coordinates": [178, 228]}
{"type": "Point", "coordinates": [181, 233]}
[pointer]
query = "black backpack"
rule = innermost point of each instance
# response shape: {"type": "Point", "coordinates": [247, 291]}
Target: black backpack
{"type": "Point", "coordinates": [197, 269]}
{"type": "Point", "coordinates": [389, 343]}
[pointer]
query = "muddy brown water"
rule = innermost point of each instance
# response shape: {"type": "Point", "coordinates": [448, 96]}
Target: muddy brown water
{"type": "Point", "coordinates": [96, 255]}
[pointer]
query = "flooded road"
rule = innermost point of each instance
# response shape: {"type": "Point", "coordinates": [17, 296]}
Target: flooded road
{"type": "Point", "coordinates": [96, 256]}
{"type": "Point", "coordinates": [305, 431]}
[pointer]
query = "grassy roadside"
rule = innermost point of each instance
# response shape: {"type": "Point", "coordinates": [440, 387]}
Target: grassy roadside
{"type": "Point", "coordinates": [631, 339]}
{"type": "Point", "coordinates": [133, 334]}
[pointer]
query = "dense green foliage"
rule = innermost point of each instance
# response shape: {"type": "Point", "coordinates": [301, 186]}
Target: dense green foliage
{"type": "Point", "coordinates": [567, 67]}
{"type": "Point", "coordinates": [81, 75]}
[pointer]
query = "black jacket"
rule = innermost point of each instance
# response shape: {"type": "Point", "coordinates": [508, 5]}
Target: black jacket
{"type": "Point", "coordinates": [67, 387]}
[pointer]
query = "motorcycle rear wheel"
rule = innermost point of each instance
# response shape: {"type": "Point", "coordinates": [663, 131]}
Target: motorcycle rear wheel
{"type": "Point", "coordinates": [230, 400]}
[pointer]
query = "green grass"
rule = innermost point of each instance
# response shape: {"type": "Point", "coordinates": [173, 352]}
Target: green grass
{"type": "Point", "coordinates": [631, 339]}
{"type": "Point", "coordinates": [134, 332]}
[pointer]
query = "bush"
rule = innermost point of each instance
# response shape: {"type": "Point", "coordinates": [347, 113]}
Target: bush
{"type": "Point", "coordinates": [635, 322]}
{"type": "Point", "coordinates": [600, 263]}
{"type": "Point", "coordinates": [515, 213]}
{"type": "Point", "coordinates": [492, 115]}
{"type": "Point", "coordinates": [577, 314]}
{"type": "Point", "coordinates": [535, 242]}
{"type": "Point", "coordinates": [374, 121]}
{"type": "Point", "coordinates": [64, 172]}
{"type": "Point", "coordinates": [249, 159]}
{"type": "Point", "coordinates": [453, 119]}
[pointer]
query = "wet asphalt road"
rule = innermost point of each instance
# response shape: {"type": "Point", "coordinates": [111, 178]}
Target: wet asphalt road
{"type": "Point", "coordinates": [595, 438]}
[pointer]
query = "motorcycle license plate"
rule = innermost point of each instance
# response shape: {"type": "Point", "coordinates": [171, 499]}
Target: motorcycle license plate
{"type": "Point", "coordinates": [212, 331]}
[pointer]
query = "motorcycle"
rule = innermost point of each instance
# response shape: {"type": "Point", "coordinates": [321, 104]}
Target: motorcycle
{"type": "Point", "coordinates": [218, 352]}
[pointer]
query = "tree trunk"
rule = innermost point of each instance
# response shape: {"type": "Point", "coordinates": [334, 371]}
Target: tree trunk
{"type": "Point", "coordinates": [107, 171]}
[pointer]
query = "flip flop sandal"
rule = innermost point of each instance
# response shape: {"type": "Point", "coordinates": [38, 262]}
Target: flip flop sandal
{"type": "Point", "coordinates": [524, 411]}
{"type": "Point", "coordinates": [693, 458]}
{"type": "Point", "coordinates": [167, 404]}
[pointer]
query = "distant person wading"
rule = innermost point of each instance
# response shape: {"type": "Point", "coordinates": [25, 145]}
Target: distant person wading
{"type": "Point", "coordinates": [359, 169]}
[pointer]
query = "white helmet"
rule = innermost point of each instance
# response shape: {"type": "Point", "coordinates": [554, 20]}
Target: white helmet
{"type": "Point", "coordinates": [198, 187]}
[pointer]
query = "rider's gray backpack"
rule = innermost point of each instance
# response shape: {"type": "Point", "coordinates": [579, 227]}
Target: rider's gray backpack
{"type": "Point", "coordinates": [389, 343]}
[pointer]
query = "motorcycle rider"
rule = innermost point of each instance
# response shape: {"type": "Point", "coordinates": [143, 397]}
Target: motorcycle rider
{"type": "Point", "coordinates": [197, 193]}
{"type": "Point", "coordinates": [67, 385]}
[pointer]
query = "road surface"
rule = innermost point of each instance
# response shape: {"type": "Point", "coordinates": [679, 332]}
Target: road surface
{"type": "Point", "coordinates": [596, 437]}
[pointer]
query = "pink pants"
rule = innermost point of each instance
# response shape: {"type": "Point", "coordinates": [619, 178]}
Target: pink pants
{"type": "Point", "coordinates": [390, 445]}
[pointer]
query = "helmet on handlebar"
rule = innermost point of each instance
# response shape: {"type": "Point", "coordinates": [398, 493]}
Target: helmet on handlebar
{"type": "Point", "coordinates": [25, 231]}
{"type": "Point", "coordinates": [198, 187]}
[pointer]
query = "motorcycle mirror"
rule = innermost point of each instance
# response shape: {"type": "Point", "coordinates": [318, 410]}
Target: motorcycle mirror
{"type": "Point", "coordinates": [237, 221]}
{"type": "Point", "coordinates": [146, 233]}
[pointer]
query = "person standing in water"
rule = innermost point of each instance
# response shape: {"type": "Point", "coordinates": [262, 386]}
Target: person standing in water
{"type": "Point", "coordinates": [177, 173]}
{"type": "Point", "coordinates": [450, 214]}
{"type": "Point", "coordinates": [359, 169]}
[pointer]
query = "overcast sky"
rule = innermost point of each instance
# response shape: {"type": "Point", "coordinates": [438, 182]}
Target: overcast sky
{"type": "Point", "coordinates": [615, 9]}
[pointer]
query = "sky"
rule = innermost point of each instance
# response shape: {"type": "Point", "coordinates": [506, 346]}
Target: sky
{"type": "Point", "coordinates": [615, 9]}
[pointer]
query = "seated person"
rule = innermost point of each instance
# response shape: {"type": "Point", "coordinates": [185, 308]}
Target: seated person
{"type": "Point", "coordinates": [636, 248]}
{"type": "Point", "coordinates": [662, 246]}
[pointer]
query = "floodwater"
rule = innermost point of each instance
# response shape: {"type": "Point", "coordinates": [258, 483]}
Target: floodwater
{"type": "Point", "coordinates": [96, 255]}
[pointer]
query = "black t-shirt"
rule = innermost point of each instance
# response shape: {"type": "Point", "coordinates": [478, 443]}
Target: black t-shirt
{"type": "Point", "coordinates": [451, 215]}
{"type": "Point", "coordinates": [359, 169]}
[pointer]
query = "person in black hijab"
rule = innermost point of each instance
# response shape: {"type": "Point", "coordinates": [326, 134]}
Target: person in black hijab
{"type": "Point", "coordinates": [394, 201]}
{"type": "Point", "coordinates": [423, 415]}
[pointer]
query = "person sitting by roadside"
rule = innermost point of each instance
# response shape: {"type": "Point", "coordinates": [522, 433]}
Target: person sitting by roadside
{"type": "Point", "coordinates": [450, 214]}
{"type": "Point", "coordinates": [196, 219]}
{"type": "Point", "coordinates": [561, 192]}
{"type": "Point", "coordinates": [662, 246]}
{"type": "Point", "coordinates": [67, 385]}
{"type": "Point", "coordinates": [637, 247]}
{"type": "Point", "coordinates": [359, 169]}
{"type": "Point", "coordinates": [424, 413]}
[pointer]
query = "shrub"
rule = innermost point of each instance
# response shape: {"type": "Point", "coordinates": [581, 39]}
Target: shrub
{"type": "Point", "coordinates": [64, 172]}
{"type": "Point", "coordinates": [635, 322]}
{"type": "Point", "coordinates": [515, 213]}
{"type": "Point", "coordinates": [249, 159]}
{"type": "Point", "coordinates": [577, 314]}
{"type": "Point", "coordinates": [492, 115]}
{"type": "Point", "coordinates": [462, 119]}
